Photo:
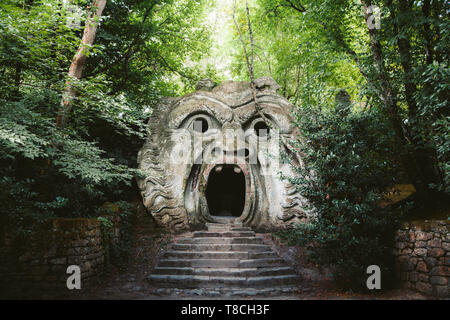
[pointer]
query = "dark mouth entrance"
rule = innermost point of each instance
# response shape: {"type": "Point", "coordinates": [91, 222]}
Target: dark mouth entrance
{"type": "Point", "coordinates": [225, 192]}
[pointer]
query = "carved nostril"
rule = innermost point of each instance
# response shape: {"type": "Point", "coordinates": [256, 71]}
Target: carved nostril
{"type": "Point", "coordinates": [246, 153]}
{"type": "Point", "coordinates": [216, 151]}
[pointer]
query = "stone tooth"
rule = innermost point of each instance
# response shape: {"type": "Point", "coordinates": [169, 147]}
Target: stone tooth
{"type": "Point", "coordinates": [219, 168]}
{"type": "Point", "coordinates": [237, 169]}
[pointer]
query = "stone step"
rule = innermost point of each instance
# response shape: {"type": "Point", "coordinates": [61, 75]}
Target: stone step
{"type": "Point", "coordinates": [235, 224]}
{"type": "Point", "coordinates": [227, 220]}
{"type": "Point", "coordinates": [264, 262]}
{"type": "Point", "coordinates": [194, 281]}
{"type": "Point", "coordinates": [220, 240]}
{"type": "Point", "coordinates": [225, 234]}
{"type": "Point", "coordinates": [227, 260]}
{"type": "Point", "coordinates": [238, 272]}
{"type": "Point", "coordinates": [243, 255]}
{"type": "Point", "coordinates": [222, 263]}
{"type": "Point", "coordinates": [200, 263]}
{"type": "Point", "coordinates": [228, 229]}
{"type": "Point", "coordinates": [230, 291]}
{"type": "Point", "coordinates": [220, 247]}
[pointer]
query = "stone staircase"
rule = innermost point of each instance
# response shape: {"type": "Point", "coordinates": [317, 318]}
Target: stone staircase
{"type": "Point", "coordinates": [228, 259]}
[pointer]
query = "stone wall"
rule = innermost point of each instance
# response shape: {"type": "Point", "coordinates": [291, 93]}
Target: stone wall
{"type": "Point", "coordinates": [422, 254]}
{"type": "Point", "coordinates": [39, 260]}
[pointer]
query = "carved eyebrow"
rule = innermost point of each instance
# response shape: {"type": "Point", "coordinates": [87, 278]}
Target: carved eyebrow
{"type": "Point", "coordinates": [274, 112]}
{"type": "Point", "coordinates": [198, 104]}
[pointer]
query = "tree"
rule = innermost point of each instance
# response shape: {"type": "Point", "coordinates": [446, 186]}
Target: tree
{"type": "Point", "coordinates": [70, 169]}
{"type": "Point", "coordinates": [330, 21]}
{"type": "Point", "coordinates": [79, 60]}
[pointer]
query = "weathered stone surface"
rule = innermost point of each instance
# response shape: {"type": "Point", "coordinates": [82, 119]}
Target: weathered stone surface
{"type": "Point", "coordinates": [438, 280]}
{"type": "Point", "coordinates": [423, 236]}
{"type": "Point", "coordinates": [421, 244]}
{"type": "Point", "coordinates": [424, 287]}
{"type": "Point", "coordinates": [440, 271]}
{"type": "Point", "coordinates": [422, 252]}
{"type": "Point", "coordinates": [446, 246]}
{"type": "Point", "coordinates": [441, 291]}
{"type": "Point", "coordinates": [434, 243]}
{"type": "Point", "coordinates": [422, 267]}
{"type": "Point", "coordinates": [423, 277]}
{"type": "Point", "coordinates": [406, 251]}
{"type": "Point", "coordinates": [237, 268]}
{"type": "Point", "coordinates": [211, 134]}
{"type": "Point", "coordinates": [56, 245]}
{"type": "Point", "coordinates": [205, 84]}
{"type": "Point", "coordinates": [431, 262]}
{"type": "Point", "coordinates": [427, 267]}
{"type": "Point", "coordinates": [436, 252]}
{"type": "Point", "coordinates": [447, 261]}
{"type": "Point", "coordinates": [401, 245]}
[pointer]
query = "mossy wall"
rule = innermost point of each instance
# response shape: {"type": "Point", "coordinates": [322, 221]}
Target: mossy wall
{"type": "Point", "coordinates": [422, 253]}
{"type": "Point", "coordinates": [38, 261]}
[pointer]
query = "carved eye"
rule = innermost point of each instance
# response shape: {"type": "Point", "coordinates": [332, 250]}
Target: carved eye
{"type": "Point", "coordinates": [200, 125]}
{"type": "Point", "coordinates": [261, 129]}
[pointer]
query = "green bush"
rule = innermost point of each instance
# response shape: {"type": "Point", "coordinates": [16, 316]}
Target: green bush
{"type": "Point", "coordinates": [347, 167]}
{"type": "Point", "coordinates": [116, 250]}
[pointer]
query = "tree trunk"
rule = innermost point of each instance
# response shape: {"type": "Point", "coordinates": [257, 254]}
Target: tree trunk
{"type": "Point", "coordinates": [423, 155]}
{"type": "Point", "coordinates": [409, 163]}
{"type": "Point", "coordinates": [427, 32]}
{"type": "Point", "coordinates": [437, 12]}
{"type": "Point", "coordinates": [79, 61]}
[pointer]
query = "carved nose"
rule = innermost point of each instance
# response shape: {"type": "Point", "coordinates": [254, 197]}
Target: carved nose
{"type": "Point", "coordinates": [243, 153]}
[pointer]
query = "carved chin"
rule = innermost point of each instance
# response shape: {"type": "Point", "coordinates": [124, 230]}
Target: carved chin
{"type": "Point", "coordinates": [220, 192]}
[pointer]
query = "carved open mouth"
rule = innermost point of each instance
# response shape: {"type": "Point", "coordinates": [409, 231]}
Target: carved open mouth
{"type": "Point", "coordinates": [225, 191]}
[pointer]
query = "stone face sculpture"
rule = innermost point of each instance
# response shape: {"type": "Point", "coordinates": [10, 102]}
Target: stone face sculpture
{"type": "Point", "coordinates": [213, 156]}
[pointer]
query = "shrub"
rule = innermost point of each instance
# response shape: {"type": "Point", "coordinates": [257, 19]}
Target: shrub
{"type": "Point", "coordinates": [347, 167]}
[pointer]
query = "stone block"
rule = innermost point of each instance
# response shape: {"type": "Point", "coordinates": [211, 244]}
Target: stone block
{"type": "Point", "coordinates": [422, 267]}
{"type": "Point", "coordinates": [438, 280]}
{"type": "Point", "coordinates": [423, 236]}
{"type": "Point", "coordinates": [436, 252]}
{"type": "Point", "coordinates": [447, 261]}
{"type": "Point", "coordinates": [413, 276]}
{"type": "Point", "coordinates": [446, 246]}
{"type": "Point", "coordinates": [441, 291]}
{"type": "Point", "coordinates": [420, 244]}
{"type": "Point", "coordinates": [424, 287]}
{"type": "Point", "coordinates": [402, 236]}
{"type": "Point", "coordinates": [441, 271]}
{"type": "Point", "coordinates": [421, 252]}
{"type": "Point", "coordinates": [436, 243]}
{"type": "Point", "coordinates": [423, 277]}
{"type": "Point", "coordinates": [406, 251]}
{"type": "Point", "coordinates": [431, 262]}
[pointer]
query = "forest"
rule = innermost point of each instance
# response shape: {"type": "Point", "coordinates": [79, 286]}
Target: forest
{"type": "Point", "coordinates": [369, 81]}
